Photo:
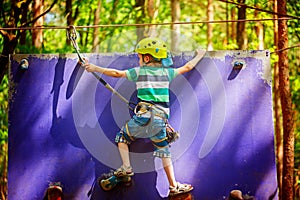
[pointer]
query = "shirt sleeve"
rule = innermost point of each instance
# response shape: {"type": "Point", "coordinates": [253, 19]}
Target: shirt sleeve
{"type": "Point", "coordinates": [132, 74]}
{"type": "Point", "coordinates": [173, 72]}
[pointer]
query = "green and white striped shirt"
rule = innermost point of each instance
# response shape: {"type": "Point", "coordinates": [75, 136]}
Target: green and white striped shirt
{"type": "Point", "coordinates": [152, 83]}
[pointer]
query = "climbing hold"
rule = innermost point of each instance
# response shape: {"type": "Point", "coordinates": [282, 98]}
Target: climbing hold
{"type": "Point", "coordinates": [24, 64]}
{"type": "Point", "coordinates": [238, 65]}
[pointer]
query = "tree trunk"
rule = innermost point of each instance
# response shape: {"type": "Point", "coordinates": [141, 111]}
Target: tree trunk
{"type": "Point", "coordinates": [9, 38]}
{"type": "Point", "coordinates": [241, 27]}
{"type": "Point", "coordinates": [152, 13]}
{"type": "Point", "coordinates": [210, 17]}
{"type": "Point", "coordinates": [278, 128]}
{"type": "Point", "coordinates": [233, 25]}
{"type": "Point", "coordinates": [175, 33]}
{"type": "Point", "coordinates": [96, 30]}
{"type": "Point", "coordinates": [140, 19]}
{"type": "Point", "coordinates": [9, 45]}
{"type": "Point", "coordinates": [227, 25]}
{"type": "Point", "coordinates": [37, 34]}
{"type": "Point", "coordinates": [277, 109]}
{"type": "Point", "coordinates": [259, 30]}
{"type": "Point", "coordinates": [71, 16]}
{"type": "Point", "coordinates": [23, 21]}
{"type": "Point", "coordinates": [286, 104]}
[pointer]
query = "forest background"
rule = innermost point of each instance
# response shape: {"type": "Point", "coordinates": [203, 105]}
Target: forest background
{"type": "Point", "coordinates": [39, 27]}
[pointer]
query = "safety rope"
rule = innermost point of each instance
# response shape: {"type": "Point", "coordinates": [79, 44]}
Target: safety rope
{"type": "Point", "coordinates": [149, 24]}
{"type": "Point", "coordinates": [72, 36]}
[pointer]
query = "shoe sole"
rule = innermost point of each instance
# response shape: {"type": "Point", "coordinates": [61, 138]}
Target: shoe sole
{"type": "Point", "coordinates": [174, 194]}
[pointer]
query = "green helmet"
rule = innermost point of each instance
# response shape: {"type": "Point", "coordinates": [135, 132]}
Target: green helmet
{"type": "Point", "coordinates": [153, 46]}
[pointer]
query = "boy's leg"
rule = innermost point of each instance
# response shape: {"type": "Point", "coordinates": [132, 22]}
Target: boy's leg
{"type": "Point", "coordinates": [162, 150]}
{"type": "Point", "coordinates": [124, 153]}
{"type": "Point", "coordinates": [175, 187]}
{"type": "Point", "coordinates": [168, 167]}
{"type": "Point", "coordinates": [125, 169]}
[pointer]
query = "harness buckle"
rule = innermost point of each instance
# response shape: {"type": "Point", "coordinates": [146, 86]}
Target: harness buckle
{"type": "Point", "coordinates": [154, 110]}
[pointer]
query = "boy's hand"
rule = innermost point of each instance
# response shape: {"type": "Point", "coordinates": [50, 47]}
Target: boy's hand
{"type": "Point", "coordinates": [87, 66]}
{"type": "Point", "coordinates": [90, 67]}
{"type": "Point", "coordinates": [192, 63]}
{"type": "Point", "coordinates": [200, 52]}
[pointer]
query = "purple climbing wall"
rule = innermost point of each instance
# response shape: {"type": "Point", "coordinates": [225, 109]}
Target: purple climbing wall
{"type": "Point", "coordinates": [62, 124]}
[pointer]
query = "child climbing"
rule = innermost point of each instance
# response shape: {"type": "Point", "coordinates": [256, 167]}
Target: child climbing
{"type": "Point", "coordinates": [152, 78]}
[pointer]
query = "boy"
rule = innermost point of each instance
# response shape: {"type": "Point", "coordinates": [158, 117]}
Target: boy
{"type": "Point", "coordinates": [152, 80]}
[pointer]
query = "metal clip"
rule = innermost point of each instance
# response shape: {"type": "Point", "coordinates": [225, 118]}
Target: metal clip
{"type": "Point", "coordinates": [72, 36]}
{"type": "Point", "coordinates": [71, 33]}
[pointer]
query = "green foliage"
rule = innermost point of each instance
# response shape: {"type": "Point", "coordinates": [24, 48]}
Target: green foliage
{"type": "Point", "coordinates": [3, 134]}
{"type": "Point", "coordinates": [294, 63]}
{"type": "Point", "coordinates": [4, 111]}
{"type": "Point", "coordinates": [295, 90]}
{"type": "Point", "coordinates": [1, 42]}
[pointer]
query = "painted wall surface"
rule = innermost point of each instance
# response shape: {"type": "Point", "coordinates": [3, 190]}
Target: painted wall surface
{"type": "Point", "coordinates": [62, 124]}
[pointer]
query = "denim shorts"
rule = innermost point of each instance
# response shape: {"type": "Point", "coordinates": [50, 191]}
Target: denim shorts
{"type": "Point", "coordinates": [143, 127]}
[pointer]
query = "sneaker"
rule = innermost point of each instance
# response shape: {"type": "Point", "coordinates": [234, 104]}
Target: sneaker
{"type": "Point", "coordinates": [121, 172]}
{"type": "Point", "coordinates": [180, 189]}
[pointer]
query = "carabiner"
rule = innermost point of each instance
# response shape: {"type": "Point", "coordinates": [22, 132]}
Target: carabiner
{"type": "Point", "coordinates": [72, 33]}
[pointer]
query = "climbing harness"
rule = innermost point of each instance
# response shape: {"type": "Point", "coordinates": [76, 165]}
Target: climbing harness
{"type": "Point", "coordinates": [72, 36]}
{"type": "Point", "coordinates": [143, 107]}
{"type": "Point", "coordinates": [156, 111]}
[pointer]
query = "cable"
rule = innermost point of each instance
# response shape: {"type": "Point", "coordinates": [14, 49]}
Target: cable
{"type": "Point", "coordinates": [162, 24]}
{"type": "Point", "coordinates": [146, 24]}
{"type": "Point", "coordinates": [279, 50]}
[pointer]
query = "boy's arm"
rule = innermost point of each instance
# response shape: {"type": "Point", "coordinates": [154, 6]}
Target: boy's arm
{"type": "Point", "coordinates": [107, 71]}
{"type": "Point", "coordinates": [192, 63]}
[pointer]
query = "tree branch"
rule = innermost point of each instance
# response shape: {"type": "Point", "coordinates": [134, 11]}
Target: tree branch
{"type": "Point", "coordinates": [44, 13]}
{"type": "Point", "coordinates": [262, 10]}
